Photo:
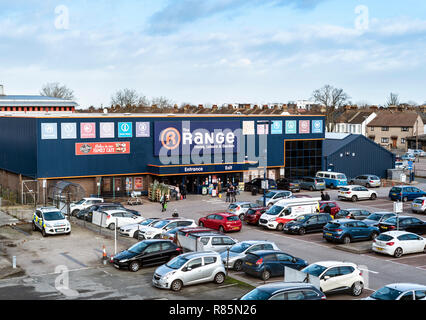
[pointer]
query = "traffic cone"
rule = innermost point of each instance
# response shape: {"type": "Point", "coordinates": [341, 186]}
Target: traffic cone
{"type": "Point", "coordinates": [104, 255]}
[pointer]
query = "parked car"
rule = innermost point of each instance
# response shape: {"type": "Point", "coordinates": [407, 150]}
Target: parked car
{"type": "Point", "coordinates": [285, 291]}
{"type": "Point", "coordinates": [400, 164]}
{"type": "Point", "coordinates": [337, 276]}
{"type": "Point", "coordinates": [205, 241]}
{"type": "Point", "coordinates": [256, 184]}
{"type": "Point", "coordinates": [347, 230]}
{"type": "Point", "coordinates": [400, 291]}
{"type": "Point", "coordinates": [50, 221]}
{"type": "Point", "coordinates": [406, 223]}
{"type": "Point", "coordinates": [83, 204]}
{"type": "Point", "coordinates": [233, 259]}
{"type": "Point", "coordinates": [273, 196]}
{"type": "Point", "coordinates": [376, 217]}
{"type": "Point", "coordinates": [333, 179]}
{"type": "Point", "coordinates": [171, 234]}
{"type": "Point", "coordinates": [188, 269]}
{"type": "Point", "coordinates": [397, 243]}
{"type": "Point", "coordinates": [146, 253]}
{"type": "Point", "coordinates": [408, 157]}
{"type": "Point", "coordinates": [312, 183]}
{"type": "Point", "coordinates": [418, 152]}
{"type": "Point", "coordinates": [292, 185]}
{"type": "Point", "coordinates": [353, 213]}
{"type": "Point", "coordinates": [307, 223]}
{"type": "Point", "coordinates": [154, 231]}
{"type": "Point", "coordinates": [419, 205]}
{"type": "Point", "coordinates": [405, 193]}
{"type": "Point", "coordinates": [131, 230]}
{"type": "Point", "coordinates": [253, 215]}
{"type": "Point", "coordinates": [334, 207]}
{"type": "Point", "coordinates": [119, 218]}
{"type": "Point", "coordinates": [355, 193]}
{"type": "Point", "coordinates": [270, 263]}
{"type": "Point", "coordinates": [223, 221]}
{"type": "Point", "coordinates": [239, 208]}
{"type": "Point", "coordinates": [366, 180]}
{"type": "Point", "coordinates": [87, 213]}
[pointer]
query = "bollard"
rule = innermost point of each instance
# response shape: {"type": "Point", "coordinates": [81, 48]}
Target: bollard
{"type": "Point", "coordinates": [104, 256]}
{"type": "Point", "coordinates": [14, 262]}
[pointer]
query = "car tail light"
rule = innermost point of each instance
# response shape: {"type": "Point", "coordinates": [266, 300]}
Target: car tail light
{"type": "Point", "coordinates": [108, 216]}
{"type": "Point", "coordinates": [392, 227]}
{"type": "Point", "coordinates": [238, 208]}
{"type": "Point", "coordinates": [178, 249]}
{"type": "Point", "coordinates": [423, 202]}
{"type": "Point", "coordinates": [259, 262]}
{"type": "Point", "coordinates": [338, 230]}
{"type": "Point", "coordinates": [360, 273]}
{"type": "Point", "coordinates": [323, 298]}
{"type": "Point", "coordinates": [390, 243]}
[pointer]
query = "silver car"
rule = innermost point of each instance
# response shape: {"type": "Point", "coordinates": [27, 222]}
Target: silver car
{"type": "Point", "coordinates": [234, 260]}
{"type": "Point", "coordinates": [239, 208]}
{"type": "Point", "coordinates": [400, 291]}
{"type": "Point", "coordinates": [419, 205]}
{"type": "Point", "coordinates": [366, 180]}
{"type": "Point", "coordinates": [188, 269]}
{"type": "Point", "coordinates": [274, 196]}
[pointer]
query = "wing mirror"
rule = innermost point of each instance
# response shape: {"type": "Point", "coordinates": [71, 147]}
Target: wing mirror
{"type": "Point", "coordinates": [326, 278]}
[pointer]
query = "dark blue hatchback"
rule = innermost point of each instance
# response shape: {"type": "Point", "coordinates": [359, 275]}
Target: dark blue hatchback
{"type": "Point", "coordinates": [270, 263]}
{"type": "Point", "coordinates": [405, 193]}
{"type": "Point", "coordinates": [347, 230]}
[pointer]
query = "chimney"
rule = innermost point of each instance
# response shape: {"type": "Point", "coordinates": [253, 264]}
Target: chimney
{"type": "Point", "coordinates": [1, 90]}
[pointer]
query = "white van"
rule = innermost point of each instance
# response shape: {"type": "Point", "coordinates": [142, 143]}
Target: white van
{"type": "Point", "coordinates": [287, 210]}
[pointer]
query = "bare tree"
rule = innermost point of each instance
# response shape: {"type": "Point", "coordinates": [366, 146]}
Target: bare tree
{"type": "Point", "coordinates": [393, 100]}
{"type": "Point", "coordinates": [162, 102]}
{"type": "Point", "coordinates": [128, 99]}
{"type": "Point", "coordinates": [332, 98]}
{"type": "Point", "coordinates": [55, 90]}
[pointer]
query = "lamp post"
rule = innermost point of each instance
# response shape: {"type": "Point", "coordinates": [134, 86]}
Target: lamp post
{"type": "Point", "coordinates": [264, 178]}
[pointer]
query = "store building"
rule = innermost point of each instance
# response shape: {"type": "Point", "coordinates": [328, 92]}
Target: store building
{"type": "Point", "coordinates": [113, 154]}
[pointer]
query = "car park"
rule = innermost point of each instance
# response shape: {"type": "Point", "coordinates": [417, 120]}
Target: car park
{"type": "Point", "coordinates": [397, 243]}
{"type": "Point", "coordinates": [171, 234]}
{"type": "Point", "coordinates": [239, 208]}
{"type": "Point", "coordinates": [353, 213]}
{"type": "Point", "coordinates": [223, 221]}
{"type": "Point", "coordinates": [334, 207]}
{"type": "Point", "coordinates": [131, 230]}
{"type": "Point", "coordinates": [312, 183]}
{"type": "Point", "coordinates": [83, 204]}
{"type": "Point", "coordinates": [405, 223]}
{"type": "Point", "coordinates": [355, 193]}
{"type": "Point", "coordinates": [273, 196]}
{"type": "Point", "coordinates": [285, 291]}
{"type": "Point", "coordinates": [405, 193]}
{"type": "Point", "coordinates": [307, 223]}
{"type": "Point", "coordinates": [292, 185]}
{"type": "Point", "coordinates": [418, 152]}
{"type": "Point", "coordinates": [189, 269]}
{"type": "Point", "coordinates": [337, 276]}
{"type": "Point", "coordinates": [233, 258]}
{"type": "Point", "coordinates": [366, 180]}
{"type": "Point", "coordinates": [400, 291]}
{"type": "Point", "coordinates": [155, 230]}
{"type": "Point", "coordinates": [50, 221]}
{"type": "Point", "coordinates": [118, 218]}
{"type": "Point", "coordinates": [256, 184]}
{"type": "Point", "coordinates": [253, 215]}
{"type": "Point", "coordinates": [204, 241]}
{"type": "Point", "coordinates": [348, 230]}
{"type": "Point", "coordinates": [87, 213]}
{"type": "Point", "coordinates": [286, 210]}
{"type": "Point", "coordinates": [333, 179]}
{"type": "Point", "coordinates": [146, 253]}
{"type": "Point", "coordinates": [419, 205]}
{"type": "Point", "coordinates": [376, 217]}
{"type": "Point", "coordinates": [264, 264]}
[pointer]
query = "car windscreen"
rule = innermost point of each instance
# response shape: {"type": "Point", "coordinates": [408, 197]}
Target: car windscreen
{"type": "Point", "coordinates": [384, 237]}
{"type": "Point", "coordinates": [301, 218]}
{"type": "Point", "coordinates": [54, 215]}
{"type": "Point", "coordinates": [314, 269]}
{"type": "Point", "coordinates": [251, 211]}
{"type": "Point", "coordinates": [391, 220]}
{"type": "Point", "coordinates": [256, 294]}
{"type": "Point", "coordinates": [177, 262]}
{"type": "Point", "coordinates": [374, 178]}
{"type": "Point", "coordinates": [160, 224]}
{"type": "Point", "coordinates": [332, 225]}
{"type": "Point", "coordinates": [374, 217]}
{"type": "Point", "coordinates": [80, 202]}
{"type": "Point", "coordinates": [420, 201]}
{"type": "Point", "coordinates": [270, 194]}
{"type": "Point", "coordinates": [319, 180]}
{"type": "Point", "coordinates": [274, 210]}
{"type": "Point", "coordinates": [233, 218]}
{"type": "Point", "coordinates": [344, 189]}
{"type": "Point", "coordinates": [240, 247]}
{"type": "Point", "coordinates": [146, 222]}
{"type": "Point", "coordinates": [341, 176]}
{"type": "Point", "coordinates": [232, 206]}
{"type": "Point", "coordinates": [395, 189]}
{"type": "Point", "coordinates": [138, 247]}
{"type": "Point", "coordinates": [386, 293]}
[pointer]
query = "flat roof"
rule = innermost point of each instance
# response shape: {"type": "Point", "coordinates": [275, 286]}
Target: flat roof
{"type": "Point", "coordinates": [34, 101]}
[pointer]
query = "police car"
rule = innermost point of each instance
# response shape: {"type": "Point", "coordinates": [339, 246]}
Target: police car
{"type": "Point", "coordinates": [50, 221]}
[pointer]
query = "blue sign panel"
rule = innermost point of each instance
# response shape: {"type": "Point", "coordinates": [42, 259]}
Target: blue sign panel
{"type": "Point", "coordinates": [290, 127]}
{"type": "Point", "coordinates": [277, 127]}
{"type": "Point", "coordinates": [317, 126]}
{"type": "Point", "coordinates": [125, 130]}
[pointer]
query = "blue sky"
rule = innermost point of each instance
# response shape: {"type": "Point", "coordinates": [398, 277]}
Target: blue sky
{"type": "Point", "coordinates": [215, 51]}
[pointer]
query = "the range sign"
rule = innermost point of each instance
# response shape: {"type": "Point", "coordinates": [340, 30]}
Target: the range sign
{"type": "Point", "coordinates": [186, 137]}
{"type": "Point", "coordinates": [102, 148]}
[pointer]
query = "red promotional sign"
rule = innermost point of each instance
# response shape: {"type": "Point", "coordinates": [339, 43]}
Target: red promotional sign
{"type": "Point", "coordinates": [102, 148]}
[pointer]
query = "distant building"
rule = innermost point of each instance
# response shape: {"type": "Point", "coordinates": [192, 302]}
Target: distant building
{"type": "Point", "coordinates": [353, 121]}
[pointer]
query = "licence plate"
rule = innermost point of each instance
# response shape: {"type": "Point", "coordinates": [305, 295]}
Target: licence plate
{"type": "Point", "coordinates": [416, 205]}
{"type": "Point", "coordinates": [328, 234]}
{"type": "Point", "coordinates": [380, 249]}
{"type": "Point", "coordinates": [384, 228]}
{"type": "Point", "coordinates": [59, 230]}
{"type": "Point", "coordinates": [236, 228]}
{"type": "Point", "coordinates": [249, 263]}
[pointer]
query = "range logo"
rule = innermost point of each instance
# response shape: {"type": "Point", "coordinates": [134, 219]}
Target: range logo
{"type": "Point", "coordinates": [170, 138]}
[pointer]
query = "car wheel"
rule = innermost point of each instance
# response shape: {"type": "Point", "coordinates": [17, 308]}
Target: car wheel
{"type": "Point", "coordinates": [241, 216]}
{"type": "Point", "coordinates": [134, 266]}
{"type": "Point", "coordinates": [354, 198]}
{"type": "Point", "coordinates": [302, 231]}
{"type": "Point", "coordinates": [346, 239]}
{"type": "Point", "coordinates": [311, 188]}
{"type": "Point", "coordinates": [398, 252]}
{"type": "Point", "coordinates": [424, 250]}
{"type": "Point", "coordinates": [33, 227]}
{"type": "Point", "coordinates": [332, 186]}
{"type": "Point", "coordinates": [157, 236]}
{"type": "Point", "coordinates": [374, 235]}
{"type": "Point", "coordinates": [280, 227]}
{"type": "Point", "coordinates": [357, 288]}
{"type": "Point", "coordinates": [176, 285]}
{"type": "Point", "coordinates": [266, 275]}
{"type": "Point", "coordinates": [201, 224]}
{"type": "Point", "coordinates": [135, 234]}
{"type": "Point", "coordinates": [373, 196]}
{"type": "Point", "coordinates": [221, 229]}
{"type": "Point", "coordinates": [368, 185]}
{"type": "Point", "coordinates": [219, 278]}
{"type": "Point", "coordinates": [238, 265]}
{"type": "Point", "coordinates": [43, 233]}
{"type": "Point", "coordinates": [74, 213]}
{"type": "Point", "coordinates": [111, 226]}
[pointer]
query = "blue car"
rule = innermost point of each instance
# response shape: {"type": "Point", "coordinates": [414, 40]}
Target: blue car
{"type": "Point", "coordinates": [270, 263]}
{"type": "Point", "coordinates": [405, 193]}
{"type": "Point", "coordinates": [348, 230]}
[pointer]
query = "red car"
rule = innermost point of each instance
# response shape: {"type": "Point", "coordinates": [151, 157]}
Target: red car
{"type": "Point", "coordinates": [333, 205]}
{"type": "Point", "coordinates": [223, 222]}
{"type": "Point", "coordinates": [252, 215]}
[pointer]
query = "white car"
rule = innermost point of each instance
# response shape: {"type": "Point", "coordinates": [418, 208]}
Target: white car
{"type": "Point", "coordinates": [337, 276]}
{"type": "Point", "coordinates": [397, 243]}
{"type": "Point", "coordinates": [83, 204]}
{"type": "Point", "coordinates": [240, 208]}
{"type": "Point", "coordinates": [355, 193]}
{"type": "Point", "coordinates": [49, 220]}
{"type": "Point", "coordinates": [156, 230]}
{"type": "Point", "coordinates": [400, 291]}
{"type": "Point", "coordinates": [131, 230]}
{"type": "Point", "coordinates": [419, 205]}
{"type": "Point", "coordinates": [120, 218]}
{"type": "Point", "coordinates": [273, 196]}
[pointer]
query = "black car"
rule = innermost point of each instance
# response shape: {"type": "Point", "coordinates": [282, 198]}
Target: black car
{"type": "Point", "coordinates": [87, 214]}
{"type": "Point", "coordinates": [256, 185]}
{"type": "Point", "coordinates": [406, 223]}
{"type": "Point", "coordinates": [146, 253]}
{"type": "Point", "coordinates": [285, 291]}
{"type": "Point", "coordinates": [356, 214]}
{"type": "Point", "coordinates": [292, 185]}
{"type": "Point", "coordinates": [314, 222]}
{"type": "Point", "coordinates": [376, 217]}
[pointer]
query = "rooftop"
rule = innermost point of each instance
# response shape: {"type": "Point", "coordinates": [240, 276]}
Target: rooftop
{"type": "Point", "coordinates": [394, 119]}
{"type": "Point", "coordinates": [34, 101]}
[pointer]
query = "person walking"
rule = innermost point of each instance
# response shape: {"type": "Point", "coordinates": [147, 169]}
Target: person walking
{"type": "Point", "coordinates": [228, 194]}
{"type": "Point", "coordinates": [327, 197]}
{"type": "Point", "coordinates": [162, 202]}
{"type": "Point", "coordinates": [183, 192]}
{"type": "Point", "coordinates": [322, 196]}
{"type": "Point", "coordinates": [233, 193]}
{"type": "Point", "coordinates": [327, 209]}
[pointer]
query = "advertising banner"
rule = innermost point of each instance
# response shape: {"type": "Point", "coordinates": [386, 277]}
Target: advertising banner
{"type": "Point", "coordinates": [138, 183]}
{"type": "Point", "coordinates": [102, 148]}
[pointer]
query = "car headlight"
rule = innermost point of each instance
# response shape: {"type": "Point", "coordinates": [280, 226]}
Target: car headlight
{"type": "Point", "coordinates": [168, 275]}
{"type": "Point", "coordinates": [124, 260]}
{"type": "Point", "coordinates": [49, 225]}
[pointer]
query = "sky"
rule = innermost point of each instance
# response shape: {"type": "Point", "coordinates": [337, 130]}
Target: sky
{"type": "Point", "coordinates": [215, 51]}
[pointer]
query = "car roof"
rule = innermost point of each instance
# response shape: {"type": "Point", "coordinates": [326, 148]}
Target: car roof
{"type": "Point", "coordinates": [48, 209]}
{"type": "Point", "coordinates": [383, 212]}
{"type": "Point", "coordinates": [355, 209]}
{"type": "Point", "coordinates": [114, 211]}
{"type": "Point", "coordinates": [251, 242]}
{"type": "Point", "coordinates": [272, 288]}
{"type": "Point", "coordinates": [191, 255]}
{"type": "Point", "coordinates": [406, 286]}
{"type": "Point", "coordinates": [397, 233]}
{"type": "Point", "coordinates": [343, 220]}
{"type": "Point", "coordinates": [224, 214]}
{"type": "Point", "coordinates": [332, 263]}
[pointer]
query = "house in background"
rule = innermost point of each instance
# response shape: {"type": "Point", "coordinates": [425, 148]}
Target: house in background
{"type": "Point", "coordinates": [353, 120]}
